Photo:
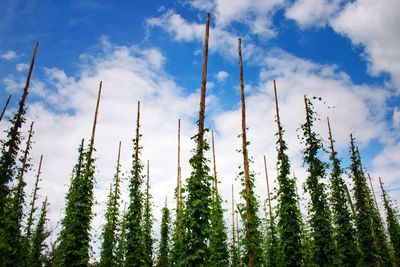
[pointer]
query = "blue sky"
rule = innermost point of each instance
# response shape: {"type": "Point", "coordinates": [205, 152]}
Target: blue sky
{"type": "Point", "coordinates": [345, 51]}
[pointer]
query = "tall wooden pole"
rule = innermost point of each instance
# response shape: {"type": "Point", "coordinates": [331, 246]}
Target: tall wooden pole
{"type": "Point", "coordinates": [373, 192]}
{"type": "Point", "coordinates": [118, 170]}
{"type": "Point", "coordinates": [278, 120]}
{"type": "Point", "coordinates": [178, 181]}
{"type": "Point", "coordinates": [200, 137]}
{"type": "Point", "coordinates": [383, 190]}
{"type": "Point", "coordinates": [95, 121]}
{"type": "Point", "coordinates": [18, 122]}
{"type": "Point", "coordinates": [269, 195]}
{"type": "Point", "coordinates": [365, 177]}
{"type": "Point", "coordinates": [215, 181]}
{"type": "Point", "coordinates": [5, 107]}
{"type": "Point", "coordinates": [233, 221]}
{"type": "Point", "coordinates": [345, 186]}
{"type": "Point", "coordinates": [25, 156]}
{"type": "Point", "coordinates": [249, 235]}
{"type": "Point", "coordinates": [32, 204]}
{"type": "Point", "coordinates": [237, 236]}
{"type": "Point", "coordinates": [28, 78]}
{"type": "Point", "coordinates": [27, 82]}
{"type": "Point", "coordinates": [116, 187]}
{"type": "Point", "coordinates": [297, 194]}
{"type": "Point", "coordinates": [137, 140]}
{"type": "Point", "coordinates": [148, 184]}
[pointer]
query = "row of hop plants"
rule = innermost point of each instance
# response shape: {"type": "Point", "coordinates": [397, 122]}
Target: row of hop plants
{"type": "Point", "coordinates": [343, 227]}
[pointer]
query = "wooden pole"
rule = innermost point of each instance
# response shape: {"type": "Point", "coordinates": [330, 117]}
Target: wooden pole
{"type": "Point", "coordinates": [18, 122]}
{"type": "Point", "coordinates": [35, 189]}
{"type": "Point", "coordinates": [269, 195]}
{"type": "Point", "coordinates": [200, 137]}
{"type": "Point", "coordinates": [215, 181]}
{"type": "Point", "coordinates": [365, 177]}
{"type": "Point", "coordinates": [95, 121]}
{"type": "Point", "coordinates": [297, 194]}
{"type": "Point", "coordinates": [278, 120]}
{"type": "Point", "coordinates": [148, 184]}
{"type": "Point", "coordinates": [368, 203]}
{"type": "Point", "coordinates": [28, 80]}
{"type": "Point", "coordinates": [137, 140]}
{"type": "Point", "coordinates": [118, 169]}
{"type": "Point", "coordinates": [178, 181]}
{"type": "Point", "coordinates": [373, 192]}
{"type": "Point", "coordinates": [381, 184]}
{"type": "Point", "coordinates": [353, 210]}
{"type": "Point", "coordinates": [116, 187]}
{"type": "Point", "coordinates": [330, 136]}
{"type": "Point", "coordinates": [237, 236]}
{"type": "Point", "coordinates": [249, 235]}
{"type": "Point", "coordinates": [332, 152]}
{"type": "Point", "coordinates": [233, 220]}
{"type": "Point", "coordinates": [26, 153]}
{"type": "Point", "coordinates": [5, 107]}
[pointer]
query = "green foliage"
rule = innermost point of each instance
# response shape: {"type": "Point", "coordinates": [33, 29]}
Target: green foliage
{"type": "Point", "coordinates": [393, 226]}
{"type": "Point", "coordinates": [323, 250]}
{"type": "Point", "coordinates": [218, 237]}
{"type": "Point", "coordinates": [234, 253]}
{"type": "Point", "coordinates": [73, 248]}
{"type": "Point", "coordinates": [9, 154]}
{"type": "Point", "coordinates": [163, 258]}
{"type": "Point", "coordinates": [121, 243]}
{"type": "Point", "coordinates": [110, 230]}
{"type": "Point", "coordinates": [251, 226]}
{"type": "Point", "coordinates": [197, 214]}
{"type": "Point", "coordinates": [289, 220]}
{"type": "Point", "coordinates": [365, 230]}
{"type": "Point", "coordinates": [177, 248]}
{"type": "Point", "coordinates": [147, 226]}
{"type": "Point", "coordinates": [344, 232]}
{"type": "Point", "coordinates": [384, 252]}
{"type": "Point", "coordinates": [135, 254]}
{"type": "Point", "coordinates": [16, 245]}
{"type": "Point", "coordinates": [10, 246]}
{"type": "Point", "coordinates": [271, 243]}
{"type": "Point", "coordinates": [37, 258]}
{"type": "Point", "coordinates": [307, 246]}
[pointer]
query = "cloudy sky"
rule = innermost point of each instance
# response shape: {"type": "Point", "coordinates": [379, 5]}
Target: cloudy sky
{"type": "Point", "coordinates": [346, 52]}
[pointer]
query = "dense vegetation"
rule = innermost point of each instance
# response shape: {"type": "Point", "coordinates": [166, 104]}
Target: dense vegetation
{"type": "Point", "coordinates": [343, 226]}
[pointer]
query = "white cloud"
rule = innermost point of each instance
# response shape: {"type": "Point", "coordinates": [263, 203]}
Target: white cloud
{"type": "Point", "coordinates": [396, 117]}
{"type": "Point", "coordinates": [221, 76]}
{"type": "Point", "coordinates": [248, 12]}
{"type": "Point", "coordinates": [176, 25]}
{"type": "Point", "coordinates": [374, 25]}
{"type": "Point", "coordinates": [386, 165]}
{"type": "Point", "coordinates": [8, 55]}
{"type": "Point", "coordinates": [11, 84]}
{"type": "Point", "coordinates": [22, 67]}
{"type": "Point", "coordinates": [154, 57]}
{"type": "Point", "coordinates": [371, 24]}
{"type": "Point", "coordinates": [221, 41]}
{"type": "Point", "coordinates": [312, 12]}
